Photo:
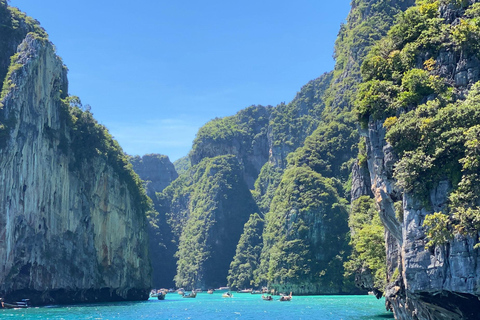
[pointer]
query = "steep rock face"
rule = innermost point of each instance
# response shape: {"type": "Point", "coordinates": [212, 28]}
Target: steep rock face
{"type": "Point", "coordinates": [207, 208]}
{"type": "Point", "coordinates": [330, 150]}
{"type": "Point", "coordinates": [304, 235]}
{"type": "Point", "coordinates": [289, 126]}
{"type": "Point", "coordinates": [243, 135]}
{"type": "Point", "coordinates": [430, 285]}
{"type": "Point", "coordinates": [14, 26]}
{"type": "Point", "coordinates": [158, 172]}
{"type": "Point", "coordinates": [66, 234]}
{"type": "Point", "coordinates": [440, 282]}
{"type": "Point", "coordinates": [361, 184]}
{"type": "Point", "coordinates": [259, 134]}
{"type": "Point", "coordinates": [380, 163]}
{"type": "Point", "coordinates": [367, 22]}
{"type": "Point", "coordinates": [247, 255]}
{"type": "Point", "coordinates": [292, 123]}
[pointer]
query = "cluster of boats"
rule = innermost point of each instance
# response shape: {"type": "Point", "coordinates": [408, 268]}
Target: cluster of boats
{"type": "Point", "coordinates": [267, 297]}
{"type": "Point", "coordinates": [161, 293]}
{"type": "Point", "coordinates": [283, 297]}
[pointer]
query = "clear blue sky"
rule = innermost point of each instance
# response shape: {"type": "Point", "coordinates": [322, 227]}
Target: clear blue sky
{"type": "Point", "coordinates": [154, 71]}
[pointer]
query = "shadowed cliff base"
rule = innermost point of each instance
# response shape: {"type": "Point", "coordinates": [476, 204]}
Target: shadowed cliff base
{"type": "Point", "coordinates": [448, 305]}
{"type": "Point", "coordinates": [65, 296]}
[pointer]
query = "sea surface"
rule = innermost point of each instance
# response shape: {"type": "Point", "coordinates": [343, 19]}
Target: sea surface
{"type": "Point", "coordinates": [213, 306]}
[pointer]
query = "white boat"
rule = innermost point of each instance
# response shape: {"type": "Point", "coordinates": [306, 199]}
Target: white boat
{"type": "Point", "coordinates": [245, 291]}
{"type": "Point", "coordinates": [193, 294]}
{"type": "Point", "coordinates": [286, 298]}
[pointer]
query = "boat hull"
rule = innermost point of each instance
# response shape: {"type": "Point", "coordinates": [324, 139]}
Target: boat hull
{"type": "Point", "coordinates": [14, 306]}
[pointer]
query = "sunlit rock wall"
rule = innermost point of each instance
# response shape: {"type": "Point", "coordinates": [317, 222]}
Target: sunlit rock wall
{"type": "Point", "coordinates": [67, 234]}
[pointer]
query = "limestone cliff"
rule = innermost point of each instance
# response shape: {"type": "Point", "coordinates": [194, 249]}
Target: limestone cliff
{"type": "Point", "coordinates": [320, 122]}
{"type": "Point", "coordinates": [257, 134]}
{"type": "Point", "coordinates": [440, 280]}
{"type": "Point", "coordinates": [207, 208]}
{"type": "Point", "coordinates": [438, 284]}
{"type": "Point", "coordinates": [290, 124]}
{"type": "Point", "coordinates": [72, 228]}
{"type": "Point", "coordinates": [157, 172]}
{"type": "Point", "coordinates": [247, 255]}
{"type": "Point", "coordinates": [304, 238]}
{"type": "Point", "coordinates": [243, 135]}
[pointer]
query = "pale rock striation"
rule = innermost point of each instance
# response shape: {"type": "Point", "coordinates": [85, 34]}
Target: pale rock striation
{"type": "Point", "coordinates": [361, 185]}
{"type": "Point", "coordinates": [439, 284]}
{"type": "Point", "coordinates": [67, 234]}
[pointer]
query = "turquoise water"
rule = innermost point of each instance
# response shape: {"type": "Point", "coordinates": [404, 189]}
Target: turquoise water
{"type": "Point", "coordinates": [213, 306]}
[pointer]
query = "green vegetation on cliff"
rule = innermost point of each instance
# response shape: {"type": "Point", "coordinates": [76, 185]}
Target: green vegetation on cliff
{"type": "Point", "coordinates": [86, 139]}
{"type": "Point", "coordinates": [14, 26]}
{"type": "Point", "coordinates": [367, 240]}
{"type": "Point", "coordinates": [431, 122]}
{"type": "Point", "coordinates": [329, 150]}
{"type": "Point", "coordinates": [291, 123]}
{"type": "Point", "coordinates": [367, 23]}
{"type": "Point", "coordinates": [236, 134]}
{"type": "Point", "coordinates": [247, 256]}
{"type": "Point", "coordinates": [243, 135]}
{"type": "Point", "coordinates": [448, 148]}
{"type": "Point", "coordinates": [214, 204]}
{"type": "Point", "coordinates": [266, 184]}
{"type": "Point", "coordinates": [182, 165]}
{"type": "Point", "coordinates": [305, 239]}
{"type": "Point", "coordinates": [305, 235]}
{"type": "Point", "coordinates": [323, 160]}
